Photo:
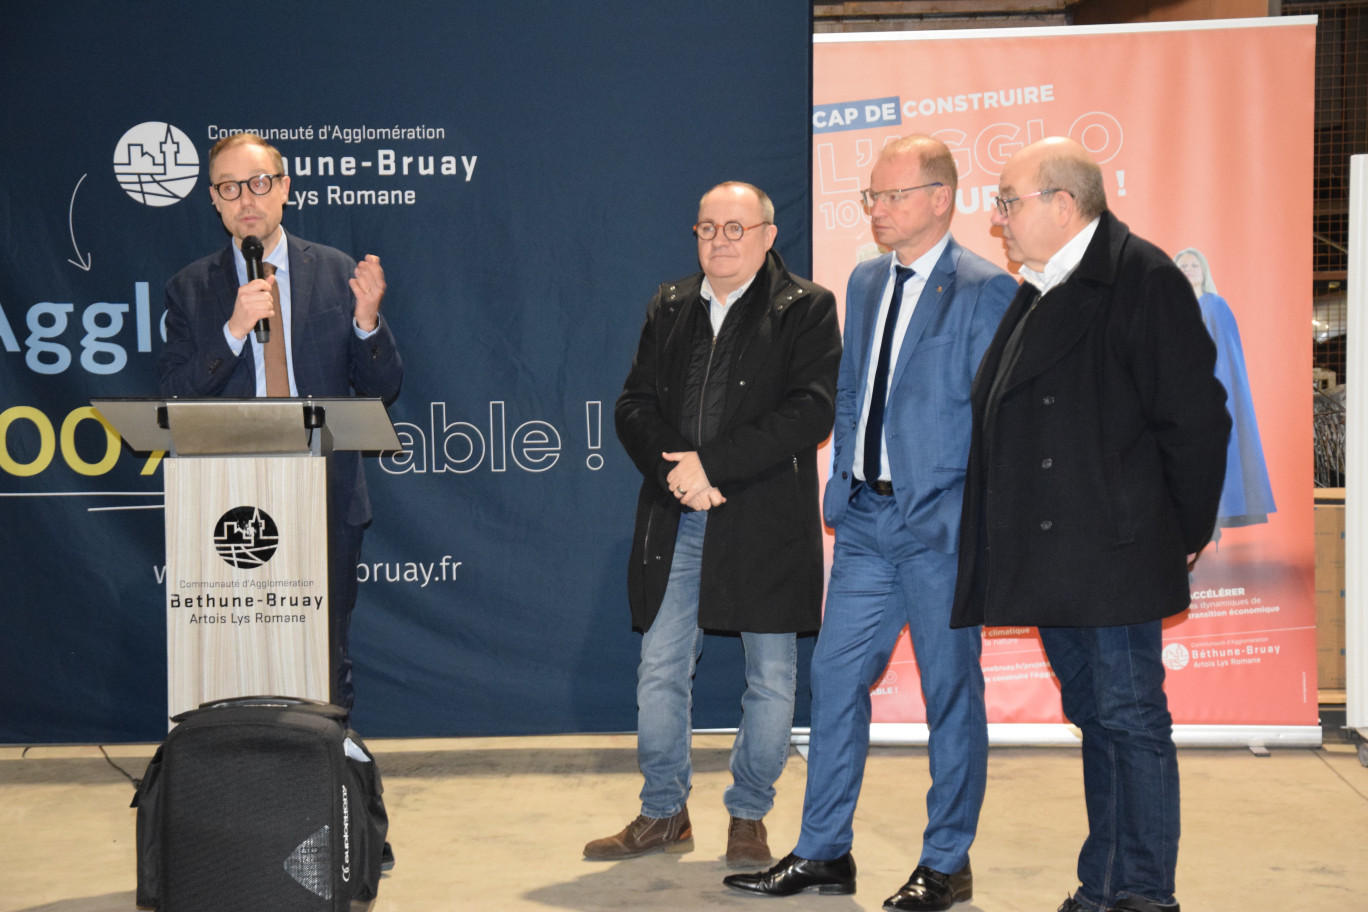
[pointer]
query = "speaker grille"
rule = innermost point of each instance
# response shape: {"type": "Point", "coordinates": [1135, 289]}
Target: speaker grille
{"type": "Point", "coordinates": [248, 818]}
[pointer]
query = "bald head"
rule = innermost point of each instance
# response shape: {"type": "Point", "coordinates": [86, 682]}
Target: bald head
{"type": "Point", "coordinates": [934, 157]}
{"type": "Point", "coordinates": [1064, 164]}
{"type": "Point", "coordinates": [1049, 192]}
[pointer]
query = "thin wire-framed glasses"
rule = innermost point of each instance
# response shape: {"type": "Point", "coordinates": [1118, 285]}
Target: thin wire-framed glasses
{"type": "Point", "coordinates": [892, 197]}
{"type": "Point", "coordinates": [1004, 205]}
{"type": "Point", "coordinates": [732, 231]}
{"type": "Point", "coordinates": [260, 185]}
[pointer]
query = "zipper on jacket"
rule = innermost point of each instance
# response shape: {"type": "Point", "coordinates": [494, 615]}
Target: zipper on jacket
{"type": "Point", "coordinates": [646, 540]}
{"type": "Point", "coordinates": [703, 390]}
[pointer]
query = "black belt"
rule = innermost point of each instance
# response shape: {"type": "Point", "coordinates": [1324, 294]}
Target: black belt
{"type": "Point", "coordinates": [882, 488]}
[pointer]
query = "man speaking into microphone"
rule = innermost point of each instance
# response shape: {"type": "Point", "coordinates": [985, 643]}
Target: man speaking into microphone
{"type": "Point", "coordinates": [274, 315]}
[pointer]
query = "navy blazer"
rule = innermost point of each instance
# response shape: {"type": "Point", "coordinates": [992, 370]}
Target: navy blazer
{"type": "Point", "coordinates": [328, 357]}
{"type": "Point", "coordinates": [927, 420]}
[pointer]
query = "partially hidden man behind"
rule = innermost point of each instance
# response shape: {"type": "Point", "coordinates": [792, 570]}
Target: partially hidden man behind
{"type": "Point", "coordinates": [728, 397]}
{"type": "Point", "coordinates": [1094, 477]}
{"type": "Point", "coordinates": [918, 320]}
{"type": "Point", "coordinates": [331, 340]}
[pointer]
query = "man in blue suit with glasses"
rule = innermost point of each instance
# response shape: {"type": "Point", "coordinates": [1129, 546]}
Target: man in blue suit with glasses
{"type": "Point", "coordinates": [326, 337]}
{"type": "Point", "coordinates": [918, 321]}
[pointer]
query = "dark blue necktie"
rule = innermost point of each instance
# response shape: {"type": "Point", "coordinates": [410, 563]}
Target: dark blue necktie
{"type": "Point", "coordinates": [873, 439]}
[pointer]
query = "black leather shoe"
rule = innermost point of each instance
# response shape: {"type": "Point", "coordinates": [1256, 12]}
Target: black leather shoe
{"type": "Point", "coordinates": [928, 890]}
{"type": "Point", "coordinates": [1136, 904]}
{"type": "Point", "coordinates": [794, 875]}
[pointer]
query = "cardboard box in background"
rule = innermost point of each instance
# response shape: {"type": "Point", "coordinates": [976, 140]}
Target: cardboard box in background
{"type": "Point", "coordinates": [1330, 588]}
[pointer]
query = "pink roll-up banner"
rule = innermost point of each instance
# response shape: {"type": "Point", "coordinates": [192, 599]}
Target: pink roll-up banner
{"type": "Point", "coordinates": [1206, 150]}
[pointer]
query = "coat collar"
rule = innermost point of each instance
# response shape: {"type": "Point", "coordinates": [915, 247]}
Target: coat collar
{"type": "Point", "coordinates": [1066, 311]}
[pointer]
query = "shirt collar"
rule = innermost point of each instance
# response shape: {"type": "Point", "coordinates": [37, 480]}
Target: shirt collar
{"type": "Point", "coordinates": [923, 264]}
{"type": "Point", "coordinates": [278, 256]}
{"type": "Point", "coordinates": [1065, 260]}
{"type": "Point", "coordinates": [711, 296]}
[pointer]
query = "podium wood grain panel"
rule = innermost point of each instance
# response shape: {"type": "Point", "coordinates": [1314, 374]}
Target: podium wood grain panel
{"type": "Point", "coordinates": [246, 578]}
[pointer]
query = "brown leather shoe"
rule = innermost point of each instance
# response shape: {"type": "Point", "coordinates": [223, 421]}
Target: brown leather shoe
{"type": "Point", "coordinates": [746, 844]}
{"type": "Point", "coordinates": [643, 836]}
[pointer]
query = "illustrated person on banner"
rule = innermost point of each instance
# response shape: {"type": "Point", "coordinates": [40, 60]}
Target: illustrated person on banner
{"type": "Point", "coordinates": [1095, 473]}
{"type": "Point", "coordinates": [729, 395]}
{"type": "Point", "coordinates": [1247, 497]}
{"type": "Point", "coordinates": [326, 338]}
{"type": "Point", "coordinates": [918, 320]}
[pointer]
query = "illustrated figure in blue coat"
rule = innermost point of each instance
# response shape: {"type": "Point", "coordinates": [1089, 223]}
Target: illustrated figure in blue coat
{"type": "Point", "coordinates": [1247, 497]}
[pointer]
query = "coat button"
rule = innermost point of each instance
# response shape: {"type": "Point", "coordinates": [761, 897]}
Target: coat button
{"type": "Point", "coordinates": [1046, 462]}
{"type": "Point", "coordinates": [1048, 400]}
{"type": "Point", "coordinates": [1045, 525]}
{"type": "Point", "coordinates": [845, 476]}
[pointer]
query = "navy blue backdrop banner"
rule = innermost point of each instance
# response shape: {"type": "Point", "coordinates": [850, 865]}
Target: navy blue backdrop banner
{"type": "Point", "coordinates": [528, 172]}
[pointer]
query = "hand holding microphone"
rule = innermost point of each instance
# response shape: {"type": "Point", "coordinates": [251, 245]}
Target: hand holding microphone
{"type": "Point", "coordinates": [252, 252]}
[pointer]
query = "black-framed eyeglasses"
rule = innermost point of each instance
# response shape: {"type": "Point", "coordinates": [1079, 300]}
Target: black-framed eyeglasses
{"type": "Point", "coordinates": [1004, 206]}
{"type": "Point", "coordinates": [732, 231]}
{"type": "Point", "coordinates": [892, 197]}
{"type": "Point", "coordinates": [260, 185]}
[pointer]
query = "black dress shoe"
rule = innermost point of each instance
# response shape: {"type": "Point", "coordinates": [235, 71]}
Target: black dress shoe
{"type": "Point", "coordinates": [928, 890]}
{"type": "Point", "coordinates": [1136, 904]}
{"type": "Point", "coordinates": [794, 875]}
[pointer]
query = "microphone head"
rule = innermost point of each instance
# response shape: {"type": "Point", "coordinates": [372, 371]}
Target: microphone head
{"type": "Point", "coordinates": [251, 247]}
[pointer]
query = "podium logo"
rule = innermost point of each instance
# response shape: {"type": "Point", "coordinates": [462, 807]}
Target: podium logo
{"type": "Point", "coordinates": [246, 537]}
{"type": "Point", "coordinates": [156, 164]}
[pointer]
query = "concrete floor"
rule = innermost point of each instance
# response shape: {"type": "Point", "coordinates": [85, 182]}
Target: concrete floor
{"type": "Point", "coordinates": [498, 824]}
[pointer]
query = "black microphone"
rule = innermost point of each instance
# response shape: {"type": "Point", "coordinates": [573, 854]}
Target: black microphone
{"type": "Point", "coordinates": [252, 252]}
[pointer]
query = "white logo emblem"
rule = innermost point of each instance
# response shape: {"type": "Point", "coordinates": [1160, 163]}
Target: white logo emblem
{"type": "Point", "coordinates": [1175, 656]}
{"type": "Point", "coordinates": [156, 164]}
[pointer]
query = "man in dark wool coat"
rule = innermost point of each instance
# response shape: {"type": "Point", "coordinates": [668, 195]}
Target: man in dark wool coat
{"type": "Point", "coordinates": [1095, 471]}
{"type": "Point", "coordinates": [730, 393]}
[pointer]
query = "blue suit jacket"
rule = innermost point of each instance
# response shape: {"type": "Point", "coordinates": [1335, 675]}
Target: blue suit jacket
{"type": "Point", "coordinates": [927, 419]}
{"type": "Point", "coordinates": [328, 358]}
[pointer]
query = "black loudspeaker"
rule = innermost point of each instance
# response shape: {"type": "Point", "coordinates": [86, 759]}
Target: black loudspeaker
{"type": "Point", "coordinates": [260, 803]}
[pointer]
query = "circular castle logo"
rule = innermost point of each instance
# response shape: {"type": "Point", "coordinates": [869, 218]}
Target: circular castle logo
{"type": "Point", "coordinates": [1176, 656]}
{"type": "Point", "coordinates": [156, 164]}
{"type": "Point", "coordinates": [246, 537]}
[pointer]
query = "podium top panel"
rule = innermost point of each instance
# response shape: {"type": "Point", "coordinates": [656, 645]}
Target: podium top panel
{"type": "Point", "coordinates": [230, 427]}
{"type": "Point", "coordinates": [236, 427]}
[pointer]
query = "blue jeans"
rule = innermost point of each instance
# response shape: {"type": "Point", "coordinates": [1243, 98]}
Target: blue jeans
{"type": "Point", "coordinates": [669, 653]}
{"type": "Point", "coordinates": [1112, 686]}
{"type": "Point", "coordinates": [883, 578]}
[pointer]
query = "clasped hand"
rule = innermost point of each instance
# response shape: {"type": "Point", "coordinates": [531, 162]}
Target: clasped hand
{"type": "Point", "coordinates": [689, 482]}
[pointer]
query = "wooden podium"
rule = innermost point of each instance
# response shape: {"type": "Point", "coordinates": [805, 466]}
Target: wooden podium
{"type": "Point", "coordinates": [247, 531]}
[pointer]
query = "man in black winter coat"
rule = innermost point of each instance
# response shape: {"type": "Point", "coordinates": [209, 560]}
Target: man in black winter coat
{"type": "Point", "coordinates": [1095, 471]}
{"type": "Point", "coordinates": [731, 391]}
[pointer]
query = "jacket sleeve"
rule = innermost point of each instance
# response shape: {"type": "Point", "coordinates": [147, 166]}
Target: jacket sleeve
{"type": "Point", "coordinates": [803, 417]}
{"type": "Point", "coordinates": [1185, 405]}
{"type": "Point", "coordinates": [196, 362]}
{"type": "Point", "coordinates": [638, 416]}
{"type": "Point", "coordinates": [376, 368]}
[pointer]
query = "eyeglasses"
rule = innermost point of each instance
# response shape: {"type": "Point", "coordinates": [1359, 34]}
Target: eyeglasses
{"type": "Point", "coordinates": [259, 185]}
{"type": "Point", "coordinates": [732, 231]}
{"type": "Point", "coordinates": [1004, 206]}
{"type": "Point", "coordinates": [891, 197]}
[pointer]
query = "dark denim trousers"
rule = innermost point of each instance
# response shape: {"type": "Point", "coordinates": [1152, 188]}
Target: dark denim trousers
{"type": "Point", "coordinates": [1112, 685]}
